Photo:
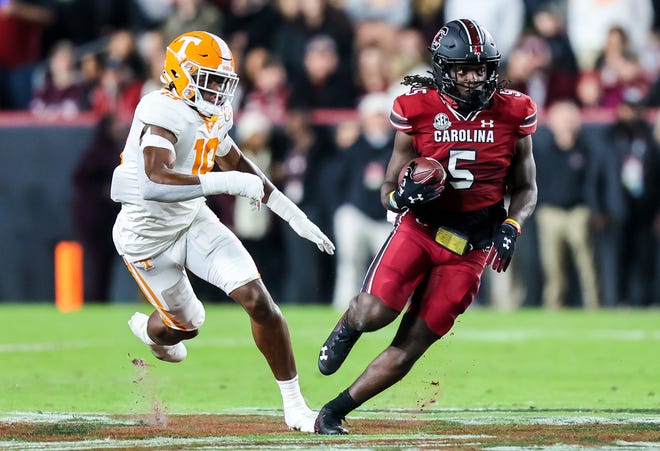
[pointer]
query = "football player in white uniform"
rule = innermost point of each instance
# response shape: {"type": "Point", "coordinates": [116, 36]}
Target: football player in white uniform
{"type": "Point", "coordinates": [165, 228]}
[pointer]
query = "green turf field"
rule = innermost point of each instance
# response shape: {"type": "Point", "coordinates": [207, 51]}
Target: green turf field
{"type": "Point", "coordinates": [525, 360]}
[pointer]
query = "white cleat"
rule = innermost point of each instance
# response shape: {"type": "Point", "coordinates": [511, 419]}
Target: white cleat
{"type": "Point", "coordinates": [300, 419]}
{"type": "Point", "coordinates": [173, 353]}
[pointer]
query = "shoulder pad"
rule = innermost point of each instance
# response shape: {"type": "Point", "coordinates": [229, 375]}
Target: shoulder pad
{"type": "Point", "coordinates": [164, 110]}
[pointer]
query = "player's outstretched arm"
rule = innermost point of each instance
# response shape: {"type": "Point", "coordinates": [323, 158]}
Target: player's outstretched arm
{"type": "Point", "coordinates": [279, 204]}
{"type": "Point", "coordinates": [299, 222]}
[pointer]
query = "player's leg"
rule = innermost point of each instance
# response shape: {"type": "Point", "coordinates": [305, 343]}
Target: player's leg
{"type": "Point", "coordinates": [216, 255]}
{"type": "Point", "coordinates": [178, 314]}
{"type": "Point", "coordinates": [412, 340]}
{"type": "Point", "coordinates": [365, 313]}
{"type": "Point", "coordinates": [400, 265]}
{"type": "Point", "coordinates": [269, 327]}
{"type": "Point", "coordinates": [449, 289]}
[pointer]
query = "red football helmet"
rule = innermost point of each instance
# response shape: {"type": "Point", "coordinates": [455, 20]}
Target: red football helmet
{"type": "Point", "coordinates": [464, 41]}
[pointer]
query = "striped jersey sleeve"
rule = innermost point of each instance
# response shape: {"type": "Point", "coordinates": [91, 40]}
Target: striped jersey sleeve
{"type": "Point", "coordinates": [398, 118]}
{"type": "Point", "coordinates": [528, 124]}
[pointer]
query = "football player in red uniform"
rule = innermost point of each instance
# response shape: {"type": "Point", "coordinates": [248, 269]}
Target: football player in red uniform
{"type": "Point", "coordinates": [444, 235]}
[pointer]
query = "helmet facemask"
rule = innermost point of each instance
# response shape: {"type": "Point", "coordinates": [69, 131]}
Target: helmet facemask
{"type": "Point", "coordinates": [464, 42]}
{"type": "Point", "coordinates": [479, 93]}
{"type": "Point", "coordinates": [199, 67]}
{"type": "Point", "coordinates": [209, 90]}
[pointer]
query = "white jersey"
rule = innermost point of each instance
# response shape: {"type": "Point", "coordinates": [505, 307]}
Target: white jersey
{"type": "Point", "coordinates": [145, 228]}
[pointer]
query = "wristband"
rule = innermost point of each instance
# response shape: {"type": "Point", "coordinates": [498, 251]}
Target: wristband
{"type": "Point", "coordinates": [515, 224]}
{"type": "Point", "coordinates": [392, 202]}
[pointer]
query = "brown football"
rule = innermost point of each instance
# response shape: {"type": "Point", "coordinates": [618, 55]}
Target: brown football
{"type": "Point", "coordinates": [428, 171]}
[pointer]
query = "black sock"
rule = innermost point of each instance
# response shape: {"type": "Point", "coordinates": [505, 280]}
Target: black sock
{"type": "Point", "coordinates": [352, 333]}
{"type": "Point", "coordinates": [343, 404]}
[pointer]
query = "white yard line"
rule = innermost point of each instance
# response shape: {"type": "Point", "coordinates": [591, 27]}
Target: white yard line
{"type": "Point", "coordinates": [489, 336]}
{"type": "Point", "coordinates": [295, 441]}
{"type": "Point", "coordinates": [62, 345]}
{"type": "Point", "coordinates": [302, 441]}
{"type": "Point", "coordinates": [463, 416]}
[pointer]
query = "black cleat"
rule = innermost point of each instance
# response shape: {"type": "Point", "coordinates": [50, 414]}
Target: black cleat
{"type": "Point", "coordinates": [328, 423]}
{"type": "Point", "coordinates": [336, 348]}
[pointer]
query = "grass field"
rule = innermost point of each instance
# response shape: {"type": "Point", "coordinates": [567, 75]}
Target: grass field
{"type": "Point", "coordinates": [495, 369]}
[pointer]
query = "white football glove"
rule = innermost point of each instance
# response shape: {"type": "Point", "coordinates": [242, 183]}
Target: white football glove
{"type": "Point", "coordinates": [310, 231]}
{"type": "Point", "coordinates": [287, 210]}
{"type": "Point", "coordinates": [235, 183]}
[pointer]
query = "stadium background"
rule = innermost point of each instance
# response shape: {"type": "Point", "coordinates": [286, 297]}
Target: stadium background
{"type": "Point", "coordinates": [41, 150]}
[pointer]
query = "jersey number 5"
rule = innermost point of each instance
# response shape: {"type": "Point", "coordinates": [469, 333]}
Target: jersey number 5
{"type": "Point", "coordinates": [461, 178]}
{"type": "Point", "coordinates": [204, 154]}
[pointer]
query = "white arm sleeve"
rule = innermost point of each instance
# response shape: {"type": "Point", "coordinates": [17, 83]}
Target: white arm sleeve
{"type": "Point", "coordinates": [287, 210]}
{"type": "Point", "coordinates": [283, 207]}
{"type": "Point", "coordinates": [167, 193]}
{"type": "Point", "coordinates": [232, 182]}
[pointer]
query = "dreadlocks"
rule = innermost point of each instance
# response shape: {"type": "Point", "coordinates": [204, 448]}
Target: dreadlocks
{"type": "Point", "coordinates": [418, 81]}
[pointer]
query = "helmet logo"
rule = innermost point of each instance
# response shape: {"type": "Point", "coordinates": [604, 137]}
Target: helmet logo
{"type": "Point", "coordinates": [187, 40]}
{"type": "Point", "coordinates": [441, 122]}
{"type": "Point", "coordinates": [438, 38]}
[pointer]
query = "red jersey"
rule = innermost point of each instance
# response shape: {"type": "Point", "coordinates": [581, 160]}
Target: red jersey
{"type": "Point", "coordinates": [476, 150]}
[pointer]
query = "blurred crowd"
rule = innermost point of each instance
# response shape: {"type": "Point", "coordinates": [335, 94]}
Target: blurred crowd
{"type": "Point", "coordinates": [599, 198]}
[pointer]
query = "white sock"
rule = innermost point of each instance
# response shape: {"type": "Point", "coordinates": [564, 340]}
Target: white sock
{"type": "Point", "coordinates": [291, 395]}
{"type": "Point", "coordinates": [145, 336]}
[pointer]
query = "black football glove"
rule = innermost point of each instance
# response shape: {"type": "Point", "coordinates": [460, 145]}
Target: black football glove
{"type": "Point", "coordinates": [501, 251]}
{"type": "Point", "coordinates": [410, 193]}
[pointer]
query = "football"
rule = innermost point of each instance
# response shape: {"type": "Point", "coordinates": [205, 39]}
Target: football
{"type": "Point", "coordinates": [428, 171]}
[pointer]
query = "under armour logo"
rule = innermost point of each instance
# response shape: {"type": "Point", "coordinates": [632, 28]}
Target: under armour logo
{"type": "Point", "coordinates": [490, 123]}
{"type": "Point", "coordinates": [507, 243]}
{"type": "Point", "coordinates": [323, 355]}
{"type": "Point", "coordinates": [417, 198]}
